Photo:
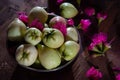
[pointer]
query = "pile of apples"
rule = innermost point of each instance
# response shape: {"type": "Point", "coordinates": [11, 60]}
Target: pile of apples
{"type": "Point", "coordinates": [48, 47]}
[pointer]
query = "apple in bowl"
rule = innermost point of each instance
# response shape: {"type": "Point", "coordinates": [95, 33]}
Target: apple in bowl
{"type": "Point", "coordinates": [26, 54]}
{"type": "Point", "coordinates": [52, 38]}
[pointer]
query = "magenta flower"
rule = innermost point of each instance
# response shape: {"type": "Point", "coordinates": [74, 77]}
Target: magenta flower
{"type": "Point", "coordinates": [37, 24]}
{"type": "Point", "coordinates": [23, 17]}
{"type": "Point", "coordinates": [100, 37]}
{"type": "Point", "coordinates": [84, 24]}
{"type": "Point", "coordinates": [118, 77]}
{"type": "Point", "coordinates": [101, 17]}
{"type": "Point", "coordinates": [92, 46]}
{"type": "Point", "coordinates": [99, 44]}
{"type": "Point", "coordinates": [94, 74]}
{"type": "Point", "coordinates": [61, 26]}
{"type": "Point", "coordinates": [59, 1]}
{"type": "Point", "coordinates": [89, 11]}
{"type": "Point", "coordinates": [70, 22]}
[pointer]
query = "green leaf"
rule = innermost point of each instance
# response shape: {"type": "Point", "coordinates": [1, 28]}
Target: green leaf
{"type": "Point", "coordinates": [79, 26]}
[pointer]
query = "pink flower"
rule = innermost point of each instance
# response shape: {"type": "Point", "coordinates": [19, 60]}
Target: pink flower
{"type": "Point", "coordinates": [70, 22]}
{"type": "Point", "coordinates": [37, 24]}
{"type": "Point", "coordinates": [94, 74]}
{"type": "Point", "coordinates": [100, 37]}
{"type": "Point", "coordinates": [118, 77]}
{"type": "Point", "coordinates": [23, 17]}
{"type": "Point", "coordinates": [101, 17]}
{"type": "Point", "coordinates": [92, 46]}
{"type": "Point", "coordinates": [89, 11]}
{"type": "Point", "coordinates": [61, 26]}
{"type": "Point", "coordinates": [85, 23]}
{"type": "Point", "coordinates": [99, 43]}
{"type": "Point", "coordinates": [59, 1]}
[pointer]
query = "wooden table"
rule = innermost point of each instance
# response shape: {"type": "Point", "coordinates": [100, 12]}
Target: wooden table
{"type": "Point", "coordinates": [9, 70]}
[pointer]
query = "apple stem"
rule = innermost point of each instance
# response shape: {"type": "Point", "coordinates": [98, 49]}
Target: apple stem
{"type": "Point", "coordinates": [25, 55]}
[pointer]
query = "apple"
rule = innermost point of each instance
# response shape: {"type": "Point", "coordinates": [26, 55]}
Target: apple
{"type": "Point", "coordinates": [69, 50]}
{"type": "Point", "coordinates": [72, 34]}
{"type": "Point", "coordinates": [68, 10]}
{"type": "Point", "coordinates": [57, 19]}
{"type": "Point", "coordinates": [52, 38]}
{"type": "Point", "coordinates": [49, 58]}
{"type": "Point", "coordinates": [33, 36]}
{"type": "Point", "coordinates": [38, 13]}
{"type": "Point", "coordinates": [16, 30]}
{"type": "Point", "coordinates": [26, 54]}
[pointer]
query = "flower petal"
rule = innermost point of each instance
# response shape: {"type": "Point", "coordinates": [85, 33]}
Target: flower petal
{"type": "Point", "coordinates": [61, 26]}
{"type": "Point", "coordinates": [70, 22]}
{"type": "Point", "coordinates": [85, 23]}
{"type": "Point", "coordinates": [35, 23]}
{"type": "Point", "coordinates": [23, 17]}
{"type": "Point", "coordinates": [89, 11]}
{"type": "Point", "coordinates": [100, 37]}
{"type": "Point", "coordinates": [94, 74]}
{"type": "Point", "coordinates": [118, 77]}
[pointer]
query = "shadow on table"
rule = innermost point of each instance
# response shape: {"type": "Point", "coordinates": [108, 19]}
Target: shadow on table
{"type": "Point", "coordinates": [25, 74]}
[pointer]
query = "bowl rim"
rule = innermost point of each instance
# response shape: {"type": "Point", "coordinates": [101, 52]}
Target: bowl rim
{"type": "Point", "coordinates": [46, 70]}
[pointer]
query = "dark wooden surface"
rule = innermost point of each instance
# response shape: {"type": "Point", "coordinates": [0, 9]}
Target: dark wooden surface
{"type": "Point", "coordinates": [9, 70]}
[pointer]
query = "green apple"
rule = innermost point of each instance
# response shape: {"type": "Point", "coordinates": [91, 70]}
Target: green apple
{"type": "Point", "coordinates": [33, 36]}
{"type": "Point", "coordinates": [16, 30]}
{"type": "Point", "coordinates": [49, 58]}
{"type": "Point", "coordinates": [69, 50]}
{"type": "Point", "coordinates": [68, 10]}
{"type": "Point", "coordinates": [72, 34]}
{"type": "Point", "coordinates": [38, 13]}
{"type": "Point", "coordinates": [52, 38]}
{"type": "Point", "coordinates": [26, 54]}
